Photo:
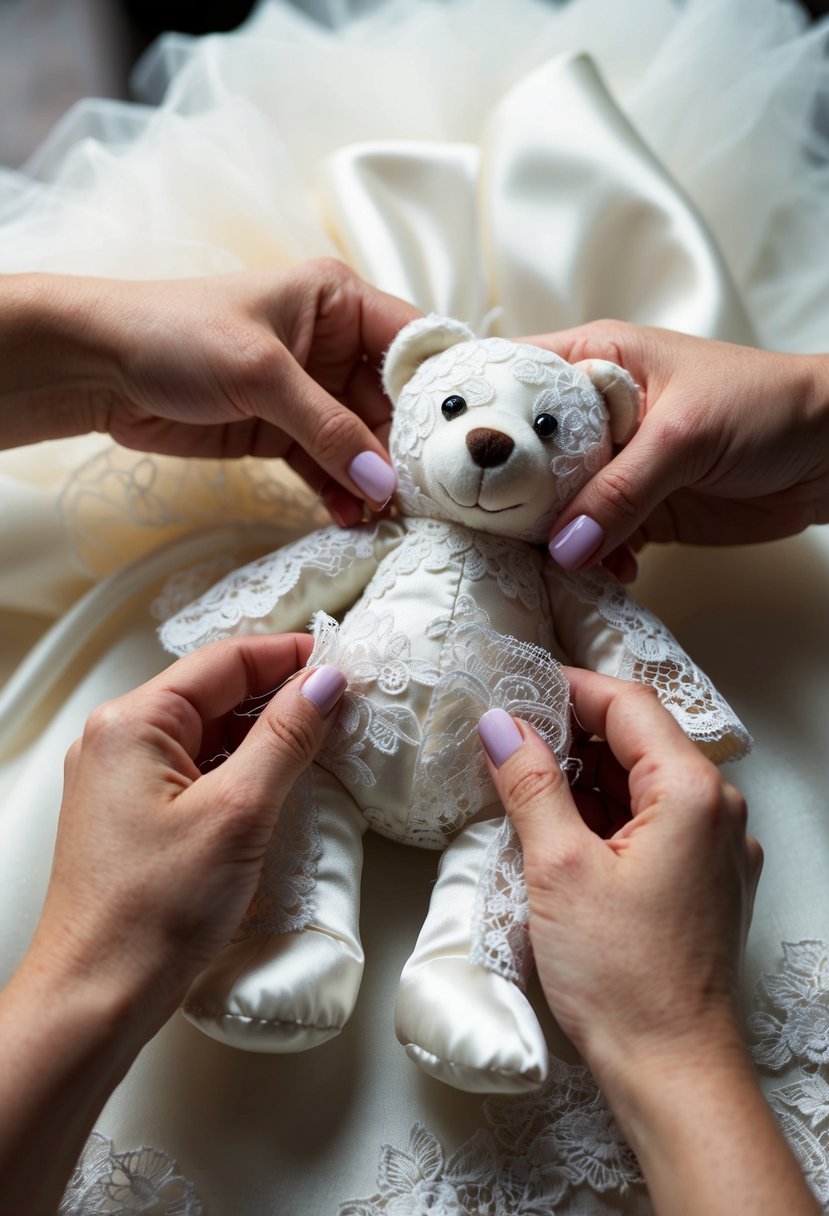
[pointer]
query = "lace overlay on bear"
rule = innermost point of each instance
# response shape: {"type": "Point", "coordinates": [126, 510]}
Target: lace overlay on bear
{"type": "Point", "coordinates": [651, 655]}
{"type": "Point", "coordinates": [500, 929]}
{"type": "Point", "coordinates": [247, 595]}
{"type": "Point", "coordinates": [580, 446]}
{"type": "Point", "coordinates": [431, 546]}
{"type": "Point", "coordinates": [481, 669]}
{"type": "Point", "coordinates": [372, 655]}
{"type": "Point", "coordinates": [284, 898]}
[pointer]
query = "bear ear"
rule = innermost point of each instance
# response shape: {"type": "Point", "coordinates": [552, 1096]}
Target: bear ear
{"type": "Point", "coordinates": [416, 342]}
{"type": "Point", "coordinates": [620, 393]}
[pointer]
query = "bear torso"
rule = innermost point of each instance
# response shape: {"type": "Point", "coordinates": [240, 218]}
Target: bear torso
{"type": "Point", "coordinates": [453, 623]}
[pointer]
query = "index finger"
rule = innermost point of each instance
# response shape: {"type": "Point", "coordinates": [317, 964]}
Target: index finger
{"type": "Point", "coordinates": [211, 681]}
{"type": "Point", "coordinates": [636, 725]}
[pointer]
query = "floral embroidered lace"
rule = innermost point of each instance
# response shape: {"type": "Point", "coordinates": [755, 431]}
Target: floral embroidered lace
{"type": "Point", "coordinates": [555, 1152]}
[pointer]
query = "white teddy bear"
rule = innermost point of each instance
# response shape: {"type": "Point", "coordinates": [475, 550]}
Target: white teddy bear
{"type": "Point", "coordinates": [454, 607]}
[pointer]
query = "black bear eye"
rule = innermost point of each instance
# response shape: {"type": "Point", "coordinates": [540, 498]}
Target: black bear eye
{"type": "Point", "coordinates": [453, 406]}
{"type": "Point", "coordinates": [545, 425]}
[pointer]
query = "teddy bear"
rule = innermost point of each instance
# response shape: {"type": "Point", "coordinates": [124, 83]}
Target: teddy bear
{"type": "Point", "coordinates": [451, 607]}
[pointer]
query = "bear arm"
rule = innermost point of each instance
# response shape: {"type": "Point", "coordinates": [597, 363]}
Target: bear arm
{"type": "Point", "coordinates": [600, 626]}
{"type": "Point", "coordinates": [327, 569]}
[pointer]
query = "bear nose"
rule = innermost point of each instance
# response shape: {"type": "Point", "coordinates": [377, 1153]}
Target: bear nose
{"type": "Point", "coordinates": [488, 448]}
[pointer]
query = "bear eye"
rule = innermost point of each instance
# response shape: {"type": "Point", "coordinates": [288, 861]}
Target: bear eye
{"type": "Point", "coordinates": [545, 425]}
{"type": "Point", "coordinates": [453, 406]}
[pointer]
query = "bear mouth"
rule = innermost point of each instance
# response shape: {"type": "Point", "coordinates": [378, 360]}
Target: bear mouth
{"type": "Point", "coordinates": [476, 505]}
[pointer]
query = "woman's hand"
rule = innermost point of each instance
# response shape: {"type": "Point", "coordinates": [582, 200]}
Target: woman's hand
{"type": "Point", "coordinates": [638, 940]}
{"type": "Point", "coordinates": [637, 937]}
{"type": "Point", "coordinates": [733, 446]}
{"type": "Point", "coordinates": [263, 363]}
{"type": "Point", "coordinates": [157, 860]}
{"type": "Point", "coordinates": [155, 863]}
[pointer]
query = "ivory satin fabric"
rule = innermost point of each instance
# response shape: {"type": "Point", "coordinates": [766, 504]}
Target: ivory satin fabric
{"type": "Point", "coordinates": [521, 167]}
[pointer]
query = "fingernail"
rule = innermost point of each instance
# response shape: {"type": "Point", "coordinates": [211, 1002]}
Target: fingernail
{"type": "Point", "coordinates": [499, 735]}
{"type": "Point", "coordinates": [576, 542]}
{"type": "Point", "coordinates": [374, 476]}
{"type": "Point", "coordinates": [324, 687]}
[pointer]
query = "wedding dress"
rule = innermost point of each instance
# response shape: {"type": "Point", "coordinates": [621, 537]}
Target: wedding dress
{"type": "Point", "coordinates": [523, 167]}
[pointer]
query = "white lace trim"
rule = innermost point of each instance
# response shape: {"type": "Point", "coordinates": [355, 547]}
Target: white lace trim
{"type": "Point", "coordinates": [651, 655]}
{"type": "Point", "coordinates": [141, 1180]}
{"type": "Point", "coordinates": [536, 1152]}
{"type": "Point", "coordinates": [791, 1031]}
{"type": "Point", "coordinates": [284, 899]}
{"type": "Point", "coordinates": [532, 1154]}
{"type": "Point", "coordinates": [250, 593]}
{"type": "Point", "coordinates": [501, 922]}
{"type": "Point", "coordinates": [481, 669]}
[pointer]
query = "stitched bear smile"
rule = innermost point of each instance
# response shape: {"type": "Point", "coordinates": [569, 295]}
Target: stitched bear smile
{"type": "Point", "coordinates": [476, 505]}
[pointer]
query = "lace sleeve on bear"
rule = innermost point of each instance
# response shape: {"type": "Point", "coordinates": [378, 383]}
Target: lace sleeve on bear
{"type": "Point", "coordinates": [650, 654]}
{"type": "Point", "coordinates": [242, 601]}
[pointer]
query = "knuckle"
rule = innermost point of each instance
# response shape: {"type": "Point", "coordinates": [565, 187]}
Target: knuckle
{"type": "Point", "coordinates": [333, 434]}
{"type": "Point", "coordinates": [530, 785]}
{"type": "Point", "coordinates": [109, 722]}
{"type": "Point", "coordinates": [602, 339]}
{"type": "Point", "coordinates": [293, 737]}
{"type": "Point", "coordinates": [330, 271]}
{"type": "Point", "coordinates": [554, 867]}
{"type": "Point", "coordinates": [258, 363]}
{"type": "Point", "coordinates": [755, 854]}
{"type": "Point", "coordinates": [72, 758]}
{"type": "Point", "coordinates": [735, 804]}
{"type": "Point", "coordinates": [619, 492]}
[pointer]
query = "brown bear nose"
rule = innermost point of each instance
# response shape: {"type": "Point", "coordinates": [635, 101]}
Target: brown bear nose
{"type": "Point", "coordinates": [488, 448]}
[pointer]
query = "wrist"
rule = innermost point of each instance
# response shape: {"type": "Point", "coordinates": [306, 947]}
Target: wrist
{"type": "Point", "coordinates": [56, 354]}
{"type": "Point", "coordinates": [704, 1135]}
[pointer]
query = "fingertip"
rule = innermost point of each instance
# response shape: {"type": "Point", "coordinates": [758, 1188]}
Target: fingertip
{"type": "Point", "coordinates": [373, 476]}
{"type": "Point", "coordinates": [576, 542]}
{"type": "Point", "coordinates": [324, 687]}
{"type": "Point", "coordinates": [500, 735]}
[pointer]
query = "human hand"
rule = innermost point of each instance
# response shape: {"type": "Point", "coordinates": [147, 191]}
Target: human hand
{"type": "Point", "coordinates": [156, 861]}
{"type": "Point", "coordinates": [276, 363]}
{"type": "Point", "coordinates": [733, 446]}
{"type": "Point", "coordinates": [638, 937]}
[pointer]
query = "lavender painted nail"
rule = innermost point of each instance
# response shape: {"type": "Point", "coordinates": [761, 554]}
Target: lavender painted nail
{"type": "Point", "coordinates": [576, 542]}
{"type": "Point", "coordinates": [499, 735]}
{"type": "Point", "coordinates": [324, 687]}
{"type": "Point", "coordinates": [374, 476]}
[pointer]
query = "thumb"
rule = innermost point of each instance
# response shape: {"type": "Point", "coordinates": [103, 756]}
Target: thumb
{"type": "Point", "coordinates": [281, 745]}
{"type": "Point", "coordinates": [533, 789]}
{"type": "Point", "coordinates": [615, 503]}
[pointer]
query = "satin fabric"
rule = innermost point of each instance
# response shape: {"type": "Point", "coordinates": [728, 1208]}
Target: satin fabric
{"type": "Point", "coordinates": [443, 151]}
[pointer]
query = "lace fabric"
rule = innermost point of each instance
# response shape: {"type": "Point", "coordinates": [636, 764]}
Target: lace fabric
{"type": "Point", "coordinates": [651, 655]}
{"type": "Point", "coordinates": [284, 898]}
{"type": "Point", "coordinates": [121, 502]}
{"type": "Point", "coordinates": [141, 1180]}
{"type": "Point", "coordinates": [550, 1153]}
{"type": "Point", "coordinates": [242, 600]}
{"type": "Point", "coordinates": [581, 445]}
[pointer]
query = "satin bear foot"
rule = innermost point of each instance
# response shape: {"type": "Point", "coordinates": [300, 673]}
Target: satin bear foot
{"type": "Point", "coordinates": [278, 993]}
{"type": "Point", "coordinates": [470, 1028]}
